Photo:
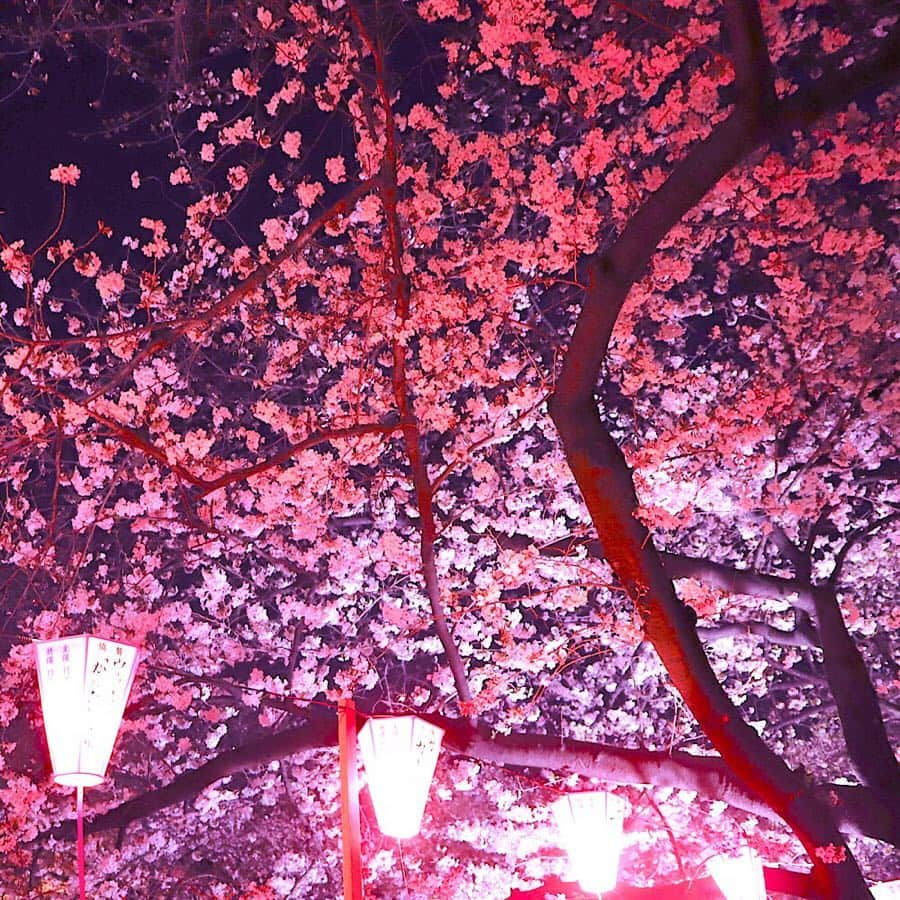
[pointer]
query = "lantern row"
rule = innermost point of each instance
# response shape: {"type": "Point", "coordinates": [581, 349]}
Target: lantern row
{"type": "Point", "coordinates": [84, 685]}
{"type": "Point", "coordinates": [400, 754]}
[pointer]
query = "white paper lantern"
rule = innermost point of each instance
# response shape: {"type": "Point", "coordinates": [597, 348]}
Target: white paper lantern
{"type": "Point", "coordinates": [739, 877]}
{"type": "Point", "coordinates": [84, 683]}
{"type": "Point", "coordinates": [590, 824]}
{"type": "Point", "coordinates": [887, 890]}
{"type": "Point", "coordinates": [399, 755]}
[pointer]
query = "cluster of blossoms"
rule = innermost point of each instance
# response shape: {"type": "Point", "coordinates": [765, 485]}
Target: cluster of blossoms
{"type": "Point", "coordinates": [273, 468]}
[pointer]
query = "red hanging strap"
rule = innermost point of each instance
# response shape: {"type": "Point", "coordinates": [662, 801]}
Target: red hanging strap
{"type": "Point", "coordinates": [79, 828]}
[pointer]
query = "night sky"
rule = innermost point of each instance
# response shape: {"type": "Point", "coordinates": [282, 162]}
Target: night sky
{"type": "Point", "coordinates": [62, 121]}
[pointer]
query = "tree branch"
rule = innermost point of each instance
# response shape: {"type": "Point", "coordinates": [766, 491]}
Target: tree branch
{"type": "Point", "coordinates": [801, 636]}
{"type": "Point", "coordinates": [857, 808]}
{"type": "Point", "coordinates": [602, 473]}
{"type": "Point", "coordinates": [838, 87]}
{"type": "Point", "coordinates": [165, 334]}
{"type": "Point", "coordinates": [712, 574]}
{"type": "Point", "coordinates": [740, 581]}
{"type": "Point", "coordinates": [400, 287]}
{"type": "Point", "coordinates": [317, 733]}
{"type": "Point", "coordinates": [854, 538]}
{"type": "Point", "coordinates": [792, 553]}
{"type": "Point", "coordinates": [857, 703]}
{"type": "Point", "coordinates": [312, 440]}
{"type": "Point", "coordinates": [848, 676]}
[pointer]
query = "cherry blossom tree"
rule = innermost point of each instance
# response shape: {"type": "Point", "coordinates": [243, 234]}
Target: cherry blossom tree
{"type": "Point", "coordinates": [524, 365]}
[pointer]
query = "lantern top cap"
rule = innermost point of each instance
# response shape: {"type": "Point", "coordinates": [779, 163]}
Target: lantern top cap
{"type": "Point", "coordinates": [390, 717]}
{"type": "Point", "coordinates": [612, 803]}
{"type": "Point", "coordinates": [409, 719]}
{"type": "Point", "coordinates": [87, 637]}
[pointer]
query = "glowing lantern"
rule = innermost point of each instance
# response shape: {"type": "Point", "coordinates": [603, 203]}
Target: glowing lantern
{"type": "Point", "coordinates": [399, 755]}
{"type": "Point", "coordinates": [590, 825]}
{"type": "Point", "coordinates": [84, 683]}
{"type": "Point", "coordinates": [740, 877]}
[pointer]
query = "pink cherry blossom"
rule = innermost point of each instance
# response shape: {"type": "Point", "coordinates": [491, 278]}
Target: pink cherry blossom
{"type": "Point", "coordinates": [206, 119]}
{"type": "Point", "coordinates": [110, 285]}
{"type": "Point", "coordinates": [245, 82]}
{"type": "Point", "coordinates": [290, 144]}
{"type": "Point", "coordinates": [242, 130]}
{"type": "Point", "coordinates": [308, 192]}
{"type": "Point", "coordinates": [181, 175]}
{"type": "Point", "coordinates": [237, 177]}
{"type": "Point", "coordinates": [264, 17]}
{"type": "Point", "coordinates": [158, 247]}
{"type": "Point", "coordinates": [335, 170]}
{"type": "Point", "coordinates": [63, 250]}
{"type": "Point", "coordinates": [831, 854]}
{"type": "Point", "coordinates": [88, 265]}
{"type": "Point", "coordinates": [17, 263]}
{"type": "Point", "coordinates": [65, 174]}
{"type": "Point", "coordinates": [432, 10]}
{"type": "Point", "coordinates": [276, 234]}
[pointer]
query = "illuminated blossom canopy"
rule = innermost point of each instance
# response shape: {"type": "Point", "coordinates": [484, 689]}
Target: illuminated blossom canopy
{"type": "Point", "coordinates": [529, 366]}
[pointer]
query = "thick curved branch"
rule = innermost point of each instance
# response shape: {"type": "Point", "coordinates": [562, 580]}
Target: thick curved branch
{"type": "Point", "coordinates": [855, 807]}
{"type": "Point", "coordinates": [792, 553]}
{"type": "Point", "coordinates": [602, 473]}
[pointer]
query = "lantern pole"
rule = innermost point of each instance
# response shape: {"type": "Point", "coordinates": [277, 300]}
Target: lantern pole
{"type": "Point", "coordinates": [349, 799]}
{"type": "Point", "coordinates": [79, 813]}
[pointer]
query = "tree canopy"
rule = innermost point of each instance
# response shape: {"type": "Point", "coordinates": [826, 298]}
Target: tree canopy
{"type": "Point", "coordinates": [529, 366]}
